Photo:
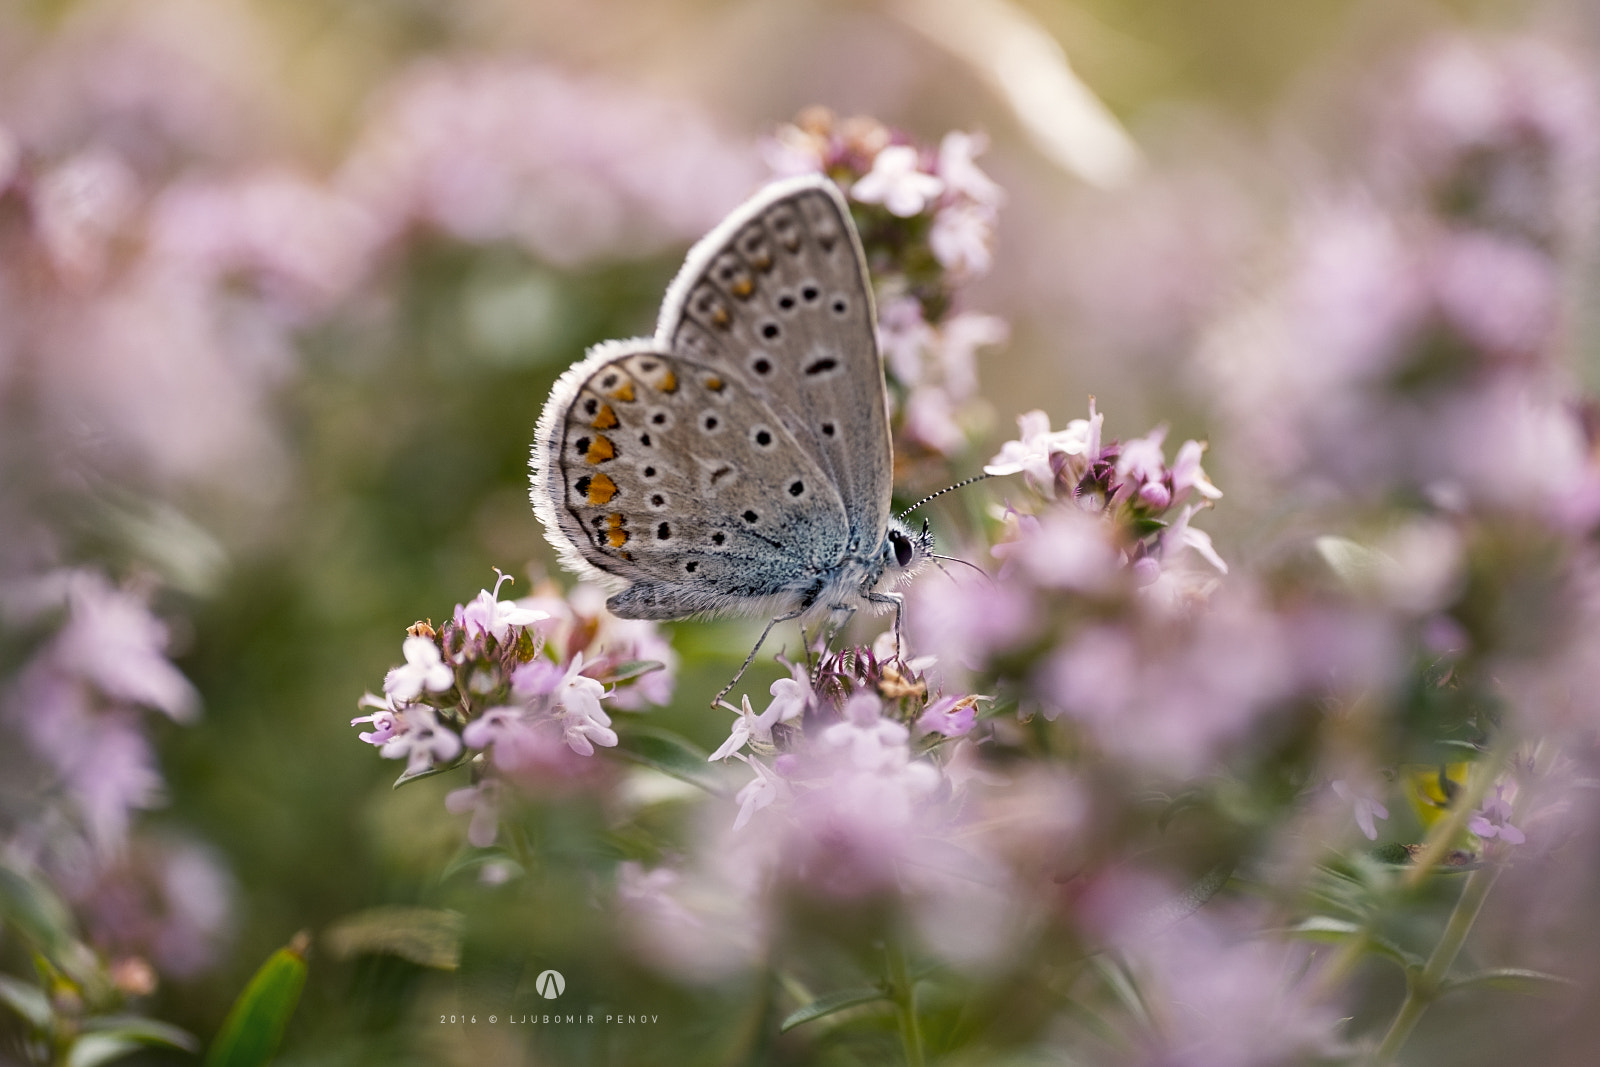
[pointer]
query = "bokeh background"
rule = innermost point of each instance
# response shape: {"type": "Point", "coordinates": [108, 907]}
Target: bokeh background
{"type": "Point", "coordinates": [283, 288]}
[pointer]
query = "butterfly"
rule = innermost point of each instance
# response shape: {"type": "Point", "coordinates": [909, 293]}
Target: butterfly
{"type": "Point", "coordinates": [739, 461]}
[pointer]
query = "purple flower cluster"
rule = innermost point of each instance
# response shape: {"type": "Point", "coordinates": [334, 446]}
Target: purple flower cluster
{"type": "Point", "coordinates": [927, 217]}
{"type": "Point", "coordinates": [514, 688]}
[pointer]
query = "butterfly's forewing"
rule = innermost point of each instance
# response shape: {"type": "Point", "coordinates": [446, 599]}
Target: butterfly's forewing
{"type": "Point", "coordinates": [779, 295]}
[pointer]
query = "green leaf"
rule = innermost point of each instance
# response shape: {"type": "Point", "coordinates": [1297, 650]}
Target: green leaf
{"type": "Point", "coordinates": [254, 1027]}
{"type": "Point", "coordinates": [430, 937]}
{"type": "Point", "coordinates": [111, 1037]}
{"type": "Point", "coordinates": [633, 668]}
{"type": "Point", "coordinates": [830, 1003]}
{"type": "Point", "coordinates": [668, 753]}
{"type": "Point", "coordinates": [466, 756]}
{"type": "Point", "coordinates": [1328, 930]}
{"type": "Point", "coordinates": [45, 922]}
{"type": "Point", "coordinates": [28, 1001]}
{"type": "Point", "coordinates": [1514, 979]}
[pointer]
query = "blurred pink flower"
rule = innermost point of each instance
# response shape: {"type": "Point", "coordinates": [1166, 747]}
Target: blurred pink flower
{"type": "Point", "coordinates": [1494, 819]}
{"type": "Point", "coordinates": [1223, 994]}
{"type": "Point", "coordinates": [113, 641]}
{"type": "Point", "coordinates": [482, 800]}
{"type": "Point", "coordinates": [960, 337]}
{"type": "Point", "coordinates": [950, 715]}
{"type": "Point", "coordinates": [962, 239]}
{"type": "Point", "coordinates": [958, 168]}
{"type": "Point", "coordinates": [1367, 807]}
{"type": "Point", "coordinates": [576, 169]}
{"type": "Point", "coordinates": [898, 183]}
{"type": "Point", "coordinates": [78, 208]}
{"type": "Point", "coordinates": [930, 420]}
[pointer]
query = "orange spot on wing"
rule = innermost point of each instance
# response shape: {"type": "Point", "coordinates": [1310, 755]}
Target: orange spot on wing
{"type": "Point", "coordinates": [600, 450]}
{"type": "Point", "coordinates": [743, 287]}
{"type": "Point", "coordinates": [716, 385]}
{"type": "Point", "coordinates": [669, 383]}
{"type": "Point", "coordinates": [616, 536]}
{"type": "Point", "coordinates": [606, 418]}
{"type": "Point", "coordinates": [624, 393]}
{"type": "Point", "coordinates": [601, 490]}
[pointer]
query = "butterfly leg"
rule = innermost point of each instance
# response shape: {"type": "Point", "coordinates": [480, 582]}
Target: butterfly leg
{"type": "Point", "coordinates": [849, 611]}
{"type": "Point", "coordinates": [751, 657]}
{"type": "Point", "coordinates": [899, 602]}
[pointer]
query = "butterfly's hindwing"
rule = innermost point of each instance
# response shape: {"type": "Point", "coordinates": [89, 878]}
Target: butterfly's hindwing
{"type": "Point", "coordinates": [672, 474]}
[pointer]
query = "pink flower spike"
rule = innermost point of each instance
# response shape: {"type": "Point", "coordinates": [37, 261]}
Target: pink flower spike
{"type": "Point", "coordinates": [896, 182]}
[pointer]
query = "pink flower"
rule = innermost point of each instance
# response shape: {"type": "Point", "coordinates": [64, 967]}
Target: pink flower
{"type": "Point", "coordinates": [871, 741]}
{"type": "Point", "coordinates": [483, 801]}
{"type": "Point", "coordinates": [760, 792]}
{"type": "Point", "coordinates": [789, 699]}
{"type": "Point", "coordinates": [1494, 819]}
{"type": "Point", "coordinates": [896, 182]}
{"type": "Point", "coordinates": [960, 337]}
{"type": "Point", "coordinates": [962, 239]}
{"type": "Point", "coordinates": [1367, 807]}
{"type": "Point", "coordinates": [423, 743]}
{"type": "Point", "coordinates": [112, 640]}
{"type": "Point", "coordinates": [423, 669]}
{"type": "Point", "coordinates": [931, 420]}
{"type": "Point", "coordinates": [904, 336]}
{"type": "Point", "coordinates": [949, 715]}
{"type": "Point", "coordinates": [957, 154]}
{"type": "Point", "coordinates": [385, 721]}
{"type": "Point", "coordinates": [1187, 473]}
{"type": "Point", "coordinates": [488, 727]}
{"type": "Point", "coordinates": [488, 615]}
{"type": "Point", "coordinates": [1031, 453]}
{"type": "Point", "coordinates": [1181, 535]}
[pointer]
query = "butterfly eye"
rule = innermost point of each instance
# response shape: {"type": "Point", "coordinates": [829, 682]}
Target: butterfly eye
{"type": "Point", "coordinates": [902, 547]}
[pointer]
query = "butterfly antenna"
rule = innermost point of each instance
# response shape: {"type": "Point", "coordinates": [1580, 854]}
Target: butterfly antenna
{"type": "Point", "coordinates": [947, 489]}
{"type": "Point", "coordinates": [955, 559]}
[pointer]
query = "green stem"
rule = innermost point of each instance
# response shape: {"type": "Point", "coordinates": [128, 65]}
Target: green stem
{"type": "Point", "coordinates": [903, 991]}
{"type": "Point", "coordinates": [1422, 989]}
{"type": "Point", "coordinates": [1447, 830]}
